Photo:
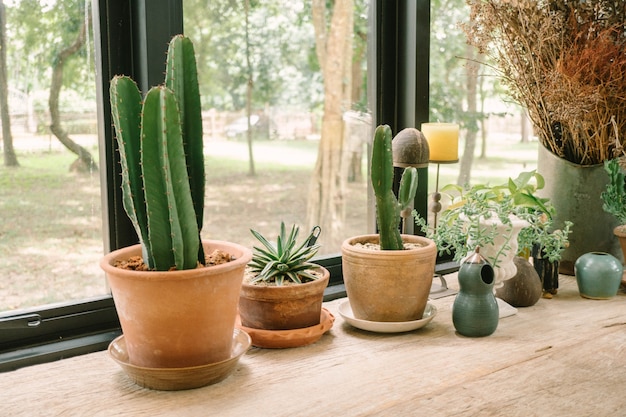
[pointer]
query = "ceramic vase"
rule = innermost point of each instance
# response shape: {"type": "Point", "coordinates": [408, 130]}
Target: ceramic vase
{"type": "Point", "coordinates": [547, 270]}
{"type": "Point", "coordinates": [598, 275]}
{"type": "Point", "coordinates": [575, 190]}
{"type": "Point", "coordinates": [475, 311]}
{"type": "Point", "coordinates": [524, 289]}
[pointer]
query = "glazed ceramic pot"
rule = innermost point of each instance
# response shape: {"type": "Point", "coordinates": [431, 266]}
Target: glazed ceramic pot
{"type": "Point", "coordinates": [283, 308]}
{"type": "Point", "coordinates": [598, 275]}
{"type": "Point", "coordinates": [177, 319]}
{"type": "Point", "coordinates": [547, 270]}
{"type": "Point", "coordinates": [475, 310]}
{"type": "Point", "coordinates": [575, 190]}
{"type": "Point", "coordinates": [388, 285]}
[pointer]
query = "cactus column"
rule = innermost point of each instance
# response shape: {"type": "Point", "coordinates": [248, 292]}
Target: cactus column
{"type": "Point", "coordinates": [388, 208]}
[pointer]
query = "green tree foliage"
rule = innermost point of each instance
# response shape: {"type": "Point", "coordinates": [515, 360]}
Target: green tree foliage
{"type": "Point", "coordinates": [37, 31]}
{"type": "Point", "coordinates": [281, 43]}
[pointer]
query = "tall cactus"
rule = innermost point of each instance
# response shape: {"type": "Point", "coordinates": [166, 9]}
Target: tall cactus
{"type": "Point", "coordinates": [160, 145]}
{"type": "Point", "coordinates": [388, 208]}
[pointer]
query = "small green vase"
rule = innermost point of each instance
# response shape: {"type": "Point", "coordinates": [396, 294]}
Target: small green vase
{"type": "Point", "coordinates": [475, 309]}
{"type": "Point", "coordinates": [598, 275]}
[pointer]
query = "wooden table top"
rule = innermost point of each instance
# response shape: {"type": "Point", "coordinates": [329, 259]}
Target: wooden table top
{"type": "Point", "coordinates": [564, 356]}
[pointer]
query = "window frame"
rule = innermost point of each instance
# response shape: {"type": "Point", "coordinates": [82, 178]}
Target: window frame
{"type": "Point", "coordinates": [131, 38]}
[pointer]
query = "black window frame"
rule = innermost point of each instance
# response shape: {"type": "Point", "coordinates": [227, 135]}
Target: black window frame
{"type": "Point", "coordinates": [131, 38]}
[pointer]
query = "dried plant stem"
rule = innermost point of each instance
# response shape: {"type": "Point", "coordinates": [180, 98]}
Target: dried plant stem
{"type": "Point", "coordinates": [565, 61]}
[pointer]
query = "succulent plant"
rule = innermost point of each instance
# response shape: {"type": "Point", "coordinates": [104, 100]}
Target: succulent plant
{"type": "Point", "coordinates": [614, 195]}
{"type": "Point", "coordinates": [285, 260]}
{"type": "Point", "coordinates": [161, 151]}
{"type": "Point", "coordinates": [388, 208]}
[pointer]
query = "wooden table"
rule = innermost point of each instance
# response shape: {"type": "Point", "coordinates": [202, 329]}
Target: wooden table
{"type": "Point", "coordinates": [562, 357]}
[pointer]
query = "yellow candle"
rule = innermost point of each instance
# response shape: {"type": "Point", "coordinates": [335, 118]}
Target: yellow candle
{"type": "Point", "coordinates": [443, 141]}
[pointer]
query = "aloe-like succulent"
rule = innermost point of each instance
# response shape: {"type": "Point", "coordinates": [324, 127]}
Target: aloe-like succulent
{"type": "Point", "coordinates": [285, 260]}
{"type": "Point", "coordinates": [161, 152]}
{"type": "Point", "coordinates": [388, 208]}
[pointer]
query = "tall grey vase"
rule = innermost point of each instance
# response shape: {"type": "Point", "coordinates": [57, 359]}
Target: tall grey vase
{"type": "Point", "coordinates": [575, 192]}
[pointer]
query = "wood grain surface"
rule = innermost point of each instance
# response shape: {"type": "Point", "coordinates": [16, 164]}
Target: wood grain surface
{"type": "Point", "coordinates": [564, 356]}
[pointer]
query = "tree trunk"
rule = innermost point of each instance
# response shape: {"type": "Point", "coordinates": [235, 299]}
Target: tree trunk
{"type": "Point", "coordinates": [10, 159]}
{"type": "Point", "coordinates": [86, 161]}
{"type": "Point", "coordinates": [483, 120]}
{"type": "Point", "coordinates": [326, 204]}
{"type": "Point", "coordinates": [471, 127]}
{"type": "Point", "coordinates": [525, 130]}
{"type": "Point", "coordinates": [251, 170]}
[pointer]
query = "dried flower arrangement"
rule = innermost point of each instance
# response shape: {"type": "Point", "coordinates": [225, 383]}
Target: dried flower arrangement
{"type": "Point", "coordinates": [565, 61]}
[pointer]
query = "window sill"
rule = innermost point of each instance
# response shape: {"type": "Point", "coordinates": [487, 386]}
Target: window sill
{"type": "Point", "coordinates": [520, 369]}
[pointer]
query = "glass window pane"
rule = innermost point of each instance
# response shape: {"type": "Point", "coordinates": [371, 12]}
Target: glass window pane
{"type": "Point", "coordinates": [285, 117]}
{"type": "Point", "coordinates": [496, 141]}
{"type": "Point", "coordinates": [50, 212]}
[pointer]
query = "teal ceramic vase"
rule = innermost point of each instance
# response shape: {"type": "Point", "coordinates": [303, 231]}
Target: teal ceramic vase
{"type": "Point", "coordinates": [475, 309]}
{"type": "Point", "coordinates": [598, 275]}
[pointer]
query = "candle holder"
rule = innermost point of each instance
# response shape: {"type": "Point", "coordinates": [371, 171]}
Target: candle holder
{"type": "Point", "coordinates": [435, 205]}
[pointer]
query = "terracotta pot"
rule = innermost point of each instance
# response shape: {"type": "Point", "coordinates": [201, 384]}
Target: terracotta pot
{"type": "Point", "coordinates": [282, 308]}
{"type": "Point", "coordinates": [178, 318]}
{"type": "Point", "coordinates": [388, 285]}
{"type": "Point", "coordinates": [620, 233]}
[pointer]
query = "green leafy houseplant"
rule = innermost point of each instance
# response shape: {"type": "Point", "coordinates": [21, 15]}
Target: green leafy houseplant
{"type": "Point", "coordinates": [459, 229]}
{"type": "Point", "coordinates": [161, 152]}
{"type": "Point", "coordinates": [285, 260]}
{"type": "Point", "coordinates": [614, 196]}
{"type": "Point", "coordinates": [614, 199]}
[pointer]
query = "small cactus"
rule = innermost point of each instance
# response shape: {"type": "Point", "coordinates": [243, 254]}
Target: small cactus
{"type": "Point", "coordinates": [388, 208]}
{"type": "Point", "coordinates": [161, 152]}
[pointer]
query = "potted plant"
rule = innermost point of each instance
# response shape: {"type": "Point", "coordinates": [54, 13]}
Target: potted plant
{"type": "Point", "coordinates": [176, 309]}
{"type": "Point", "coordinates": [546, 244]}
{"type": "Point", "coordinates": [388, 275]}
{"type": "Point", "coordinates": [283, 291]}
{"type": "Point", "coordinates": [503, 220]}
{"type": "Point", "coordinates": [564, 62]}
{"type": "Point", "coordinates": [614, 199]}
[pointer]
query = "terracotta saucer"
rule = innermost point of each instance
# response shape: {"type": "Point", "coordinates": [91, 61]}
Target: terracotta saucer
{"type": "Point", "coordinates": [278, 339]}
{"type": "Point", "coordinates": [172, 379]}
{"type": "Point", "coordinates": [386, 326]}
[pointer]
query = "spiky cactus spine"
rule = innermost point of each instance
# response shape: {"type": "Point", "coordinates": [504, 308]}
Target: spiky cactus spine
{"type": "Point", "coordinates": [162, 160]}
{"type": "Point", "coordinates": [388, 208]}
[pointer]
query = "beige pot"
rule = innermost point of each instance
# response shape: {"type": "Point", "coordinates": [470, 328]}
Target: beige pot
{"type": "Point", "coordinates": [282, 308]}
{"type": "Point", "coordinates": [389, 285]}
{"type": "Point", "coordinates": [178, 318]}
